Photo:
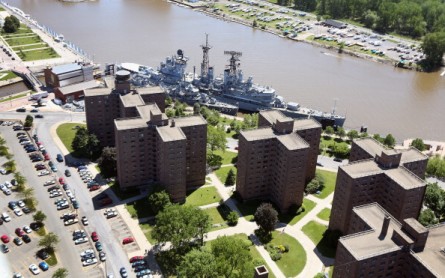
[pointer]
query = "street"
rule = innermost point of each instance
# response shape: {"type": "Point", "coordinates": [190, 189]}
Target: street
{"type": "Point", "coordinates": [68, 256]}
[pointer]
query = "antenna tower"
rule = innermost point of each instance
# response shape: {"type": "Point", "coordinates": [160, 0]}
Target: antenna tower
{"type": "Point", "coordinates": [235, 57]}
{"type": "Point", "coordinates": [205, 58]}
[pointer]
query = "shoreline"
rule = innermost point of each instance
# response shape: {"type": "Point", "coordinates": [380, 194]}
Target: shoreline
{"type": "Point", "coordinates": [229, 18]}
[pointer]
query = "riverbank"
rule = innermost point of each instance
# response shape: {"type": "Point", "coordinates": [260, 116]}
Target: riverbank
{"type": "Point", "coordinates": [278, 19]}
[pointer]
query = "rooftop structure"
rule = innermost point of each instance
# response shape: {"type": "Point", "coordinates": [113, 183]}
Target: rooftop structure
{"type": "Point", "coordinates": [380, 245]}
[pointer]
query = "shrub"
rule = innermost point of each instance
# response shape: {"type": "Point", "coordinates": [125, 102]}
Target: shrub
{"type": "Point", "coordinates": [232, 218]}
{"type": "Point", "coordinates": [286, 248]}
{"type": "Point", "coordinates": [276, 256]}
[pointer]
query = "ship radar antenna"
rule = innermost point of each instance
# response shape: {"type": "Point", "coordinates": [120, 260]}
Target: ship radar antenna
{"type": "Point", "coordinates": [335, 106]}
{"type": "Point", "coordinates": [235, 57]}
{"type": "Point", "coordinates": [205, 58]}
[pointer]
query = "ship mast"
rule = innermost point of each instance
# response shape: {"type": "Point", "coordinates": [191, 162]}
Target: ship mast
{"type": "Point", "coordinates": [235, 57]}
{"type": "Point", "coordinates": [205, 59]}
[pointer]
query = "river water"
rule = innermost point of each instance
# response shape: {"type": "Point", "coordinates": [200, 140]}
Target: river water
{"type": "Point", "coordinates": [386, 99]}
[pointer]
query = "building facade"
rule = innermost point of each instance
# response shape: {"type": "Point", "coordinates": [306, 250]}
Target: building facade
{"type": "Point", "coordinates": [378, 245]}
{"type": "Point", "coordinates": [68, 74]}
{"type": "Point", "coordinates": [393, 179]}
{"type": "Point", "coordinates": [276, 160]}
{"type": "Point", "coordinates": [151, 149]}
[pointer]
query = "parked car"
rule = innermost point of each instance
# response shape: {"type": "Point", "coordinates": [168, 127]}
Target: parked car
{"type": "Point", "coordinates": [42, 254]}
{"type": "Point", "coordinates": [44, 266]}
{"type": "Point", "coordinates": [94, 236]}
{"type": "Point", "coordinates": [34, 110]}
{"type": "Point", "coordinates": [59, 157]}
{"type": "Point", "coordinates": [61, 180]}
{"type": "Point", "coordinates": [27, 229]}
{"type": "Point", "coordinates": [136, 258]}
{"type": "Point", "coordinates": [5, 217]}
{"type": "Point", "coordinates": [94, 187]}
{"type": "Point", "coordinates": [26, 238]}
{"type": "Point", "coordinates": [123, 272]}
{"type": "Point", "coordinates": [127, 240]}
{"type": "Point", "coordinates": [98, 246]}
{"type": "Point", "coordinates": [18, 241]}
{"type": "Point", "coordinates": [34, 269]}
{"type": "Point", "coordinates": [39, 116]}
{"type": "Point", "coordinates": [5, 238]}
{"type": "Point", "coordinates": [84, 220]}
{"type": "Point", "coordinates": [67, 173]}
{"type": "Point", "coordinates": [19, 232]}
{"type": "Point", "coordinates": [5, 248]}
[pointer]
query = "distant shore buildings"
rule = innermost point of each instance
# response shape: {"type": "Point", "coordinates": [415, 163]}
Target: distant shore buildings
{"type": "Point", "coordinates": [276, 160]}
{"type": "Point", "coordinates": [150, 147]}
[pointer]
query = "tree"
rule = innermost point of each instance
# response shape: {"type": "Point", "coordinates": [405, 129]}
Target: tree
{"type": "Point", "coordinates": [80, 141]}
{"type": "Point", "coordinates": [93, 146]}
{"type": "Point", "coordinates": [340, 132]}
{"type": "Point", "coordinates": [27, 193]}
{"type": "Point", "coordinates": [39, 216]}
{"type": "Point", "coordinates": [352, 134]}
{"type": "Point", "coordinates": [158, 201]}
{"type": "Point", "coordinates": [11, 24]}
{"type": "Point", "coordinates": [216, 138]}
{"type": "Point", "coordinates": [60, 273]}
{"type": "Point", "coordinates": [329, 130]}
{"type": "Point", "coordinates": [2, 141]}
{"type": "Point", "coordinates": [231, 178]}
{"type": "Point", "coordinates": [232, 256]}
{"type": "Point", "coordinates": [19, 178]}
{"type": "Point", "coordinates": [313, 186]}
{"type": "Point", "coordinates": [232, 218]}
{"type": "Point", "coordinates": [107, 162]}
{"type": "Point", "coordinates": [427, 218]}
{"type": "Point", "coordinates": [378, 137]}
{"type": "Point", "coordinates": [389, 140]}
{"type": "Point", "coordinates": [29, 121]}
{"type": "Point", "coordinates": [370, 19]}
{"type": "Point", "coordinates": [433, 46]}
{"type": "Point", "coordinates": [196, 108]}
{"type": "Point", "coordinates": [10, 166]}
{"type": "Point", "coordinates": [31, 203]}
{"type": "Point", "coordinates": [266, 217]}
{"type": "Point", "coordinates": [181, 226]}
{"type": "Point", "coordinates": [418, 144]}
{"type": "Point", "coordinates": [250, 121]}
{"type": "Point", "coordinates": [434, 199]}
{"type": "Point", "coordinates": [49, 241]}
{"type": "Point", "coordinates": [199, 264]}
{"type": "Point", "coordinates": [341, 150]}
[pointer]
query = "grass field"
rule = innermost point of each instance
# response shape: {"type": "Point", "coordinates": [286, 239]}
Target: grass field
{"type": "Point", "coordinates": [147, 229]}
{"type": "Point", "coordinates": [293, 219]}
{"type": "Point", "coordinates": [216, 218]}
{"type": "Point", "coordinates": [42, 54]}
{"type": "Point", "coordinates": [315, 231]}
{"type": "Point", "coordinates": [292, 262]}
{"type": "Point", "coordinates": [66, 133]}
{"type": "Point", "coordinates": [202, 196]}
{"type": "Point", "coordinates": [222, 172]}
{"type": "Point", "coordinates": [30, 46]}
{"type": "Point", "coordinates": [28, 39]}
{"type": "Point", "coordinates": [248, 209]}
{"type": "Point", "coordinates": [14, 97]}
{"type": "Point", "coordinates": [5, 75]}
{"type": "Point", "coordinates": [325, 214]}
{"type": "Point", "coordinates": [52, 260]}
{"type": "Point", "coordinates": [330, 179]}
{"type": "Point", "coordinates": [227, 156]}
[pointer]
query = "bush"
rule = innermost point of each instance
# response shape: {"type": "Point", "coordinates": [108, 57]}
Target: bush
{"type": "Point", "coordinates": [286, 248]}
{"type": "Point", "coordinates": [276, 256]}
{"type": "Point", "coordinates": [232, 218]}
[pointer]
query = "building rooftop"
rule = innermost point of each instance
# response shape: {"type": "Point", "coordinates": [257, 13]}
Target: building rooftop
{"type": "Point", "coordinates": [411, 155]}
{"type": "Point", "coordinates": [169, 133]}
{"type": "Point", "coordinates": [362, 168]}
{"type": "Point", "coordinates": [432, 256]}
{"type": "Point", "coordinates": [146, 110]}
{"type": "Point", "coordinates": [258, 134]}
{"type": "Point", "coordinates": [131, 99]}
{"type": "Point", "coordinates": [150, 90]}
{"type": "Point", "coordinates": [370, 145]}
{"type": "Point", "coordinates": [190, 121]}
{"type": "Point", "coordinates": [66, 68]}
{"type": "Point", "coordinates": [369, 243]}
{"type": "Point", "coordinates": [130, 123]}
{"type": "Point", "coordinates": [97, 92]}
{"type": "Point", "coordinates": [293, 141]}
{"type": "Point", "coordinates": [306, 124]}
{"type": "Point", "coordinates": [404, 178]}
{"type": "Point", "coordinates": [272, 115]}
{"type": "Point", "coordinates": [79, 87]}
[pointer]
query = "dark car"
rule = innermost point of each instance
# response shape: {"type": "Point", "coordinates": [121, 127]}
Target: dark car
{"type": "Point", "coordinates": [35, 226]}
{"type": "Point", "coordinates": [26, 238]}
{"type": "Point", "coordinates": [34, 111]}
{"type": "Point", "coordinates": [26, 210]}
{"type": "Point", "coordinates": [22, 109]}
{"type": "Point", "coordinates": [67, 173]}
{"type": "Point", "coordinates": [5, 248]}
{"type": "Point", "coordinates": [338, 159]}
{"type": "Point", "coordinates": [76, 204]}
{"type": "Point", "coordinates": [65, 186]}
{"type": "Point", "coordinates": [39, 116]}
{"type": "Point", "coordinates": [12, 205]}
{"type": "Point", "coordinates": [42, 254]}
{"type": "Point", "coordinates": [59, 157]}
{"type": "Point", "coordinates": [20, 134]}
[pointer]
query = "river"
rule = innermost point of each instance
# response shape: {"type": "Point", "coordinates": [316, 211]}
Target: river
{"type": "Point", "coordinates": [386, 99]}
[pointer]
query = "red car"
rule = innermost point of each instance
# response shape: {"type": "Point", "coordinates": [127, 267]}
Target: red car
{"type": "Point", "coordinates": [106, 201]}
{"type": "Point", "coordinates": [19, 232]}
{"type": "Point", "coordinates": [94, 187]}
{"type": "Point", "coordinates": [61, 181]}
{"type": "Point", "coordinates": [94, 236]}
{"type": "Point", "coordinates": [47, 157]}
{"type": "Point", "coordinates": [5, 238]}
{"type": "Point", "coordinates": [127, 240]}
{"type": "Point", "coordinates": [136, 258]}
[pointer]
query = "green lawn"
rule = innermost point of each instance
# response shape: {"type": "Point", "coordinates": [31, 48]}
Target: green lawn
{"type": "Point", "coordinates": [52, 260]}
{"type": "Point", "coordinates": [202, 196]}
{"type": "Point", "coordinates": [216, 218]}
{"type": "Point", "coordinates": [42, 54]}
{"type": "Point", "coordinates": [30, 46]}
{"type": "Point", "coordinates": [147, 229]}
{"type": "Point", "coordinates": [329, 142]}
{"type": "Point", "coordinates": [222, 172]}
{"type": "Point", "coordinates": [292, 262]}
{"type": "Point", "coordinates": [316, 232]}
{"type": "Point", "coordinates": [5, 75]}
{"type": "Point", "coordinates": [139, 208]}
{"type": "Point", "coordinates": [325, 214]}
{"type": "Point", "coordinates": [248, 208]}
{"type": "Point", "coordinates": [66, 133]}
{"type": "Point", "coordinates": [14, 41]}
{"type": "Point", "coordinates": [330, 179]}
{"type": "Point", "coordinates": [293, 219]}
{"type": "Point", "coordinates": [227, 156]}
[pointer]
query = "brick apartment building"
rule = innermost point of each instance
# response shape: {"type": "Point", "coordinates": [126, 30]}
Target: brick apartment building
{"type": "Point", "coordinates": [103, 105]}
{"type": "Point", "coordinates": [378, 245]}
{"type": "Point", "coordinates": [276, 160]}
{"type": "Point", "coordinates": [393, 179]}
{"type": "Point", "coordinates": [150, 147]}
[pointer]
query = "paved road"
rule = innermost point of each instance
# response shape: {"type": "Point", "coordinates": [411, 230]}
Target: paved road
{"type": "Point", "coordinates": [116, 257]}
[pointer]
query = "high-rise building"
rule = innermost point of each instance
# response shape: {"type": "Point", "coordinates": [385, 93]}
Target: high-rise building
{"type": "Point", "coordinates": [389, 177]}
{"type": "Point", "coordinates": [378, 245]}
{"type": "Point", "coordinates": [276, 160]}
{"type": "Point", "coordinates": [151, 149]}
{"type": "Point", "coordinates": [103, 105]}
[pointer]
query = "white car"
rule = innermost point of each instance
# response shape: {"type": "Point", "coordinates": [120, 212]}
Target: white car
{"type": "Point", "coordinates": [50, 182]}
{"type": "Point", "coordinates": [89, 262]}
{"type": "Point", "coordinates": [87, 252]}
{"type": "Point", "coordinates": [18, 212]}
{"type": "Point", "coordinates": [21, 204]}
{"type": "Point", "coordinates": [7, 191]}
{"type": "Point", "coordinates": [34, 269]}
{"type": "Point", "coordinates": [43, 173]}
{"type": "Point", "coordinates": [6, 217]}
{"type": "Point", "coordinates": [27, 229]}
{"type": "Point", "coordinates": [7, 184]}
{"type": "Point", "coordinates": [3, 171]}
{"type": "Point", "coordinates": [81, 240]}
{"type": "Point", "coordinates": [71, 221]}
